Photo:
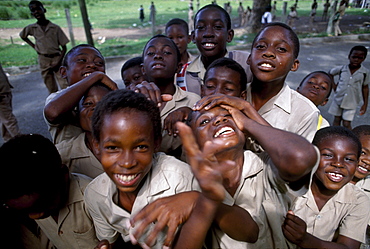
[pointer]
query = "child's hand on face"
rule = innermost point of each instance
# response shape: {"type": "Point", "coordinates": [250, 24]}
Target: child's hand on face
{"type": "Point", "coordinates": [167, 213]}
{"type": "Point", "coordinates": [179, 115]}
{"type": "Point", "coordinates": [103, 78]}
{"type": "Point", "coordinates": [152, 92]}
{"type": "Point", "coordinates": [242, 105]}
{"type": "Point", "coordinates": [294, 228]}
{"type": "Point", "coordinates": [206, 168]}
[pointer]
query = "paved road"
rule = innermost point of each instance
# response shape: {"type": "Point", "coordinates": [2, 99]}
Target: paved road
{"type": "Point", "coordinates": [29, 91]}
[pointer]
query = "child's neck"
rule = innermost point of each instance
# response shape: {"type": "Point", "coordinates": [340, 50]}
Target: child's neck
{"type": "Point", "coordinates": [263, 92]}
{"type": "Point", "coordinates": [42, 21]}
{"type": "Point", "coordinates": [353, 69]}
{"type": "Point", "coordinates": [184, 58]}
{"type": "Point", "coordinates": [208, 60]}
{"type": "Point", "coordinates": [355, 180]}
{"type": "Point", "coordinates": [321, 194]}
{"type": "Point", "coordinates": [232, 177]}
{"type": "Point", "coordinates": [166, 86]}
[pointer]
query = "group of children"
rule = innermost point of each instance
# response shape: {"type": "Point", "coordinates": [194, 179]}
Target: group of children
{"type": "Point", "coordinates": [164, 161]}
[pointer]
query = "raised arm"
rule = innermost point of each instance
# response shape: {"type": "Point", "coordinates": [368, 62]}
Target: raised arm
{"type": "Point", "coordinates": [365, 96]}
{"type": "Point", "coordinates": [292, 154]}
{"type": "Point", "coordinates": [59, 108]}
{"type": "Point", "coordinates": [209, 207]}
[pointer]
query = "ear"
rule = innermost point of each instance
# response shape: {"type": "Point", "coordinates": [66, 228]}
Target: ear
{"type": "Point", "coordinates": [96, 148]}
{"type": "Point", "coordinates": [295, 65]}
{"type": "Point", "coordinates": [192, 36]}
{"type": "Point", "coordinates": [179, 66]}
{"type": "Point", "coordinates": [142, 68]}
{"type": "Point", "coordinates": [324, 102]}
{"type": "Point", "coordinates": [63, 72]}
{"type": "Point", "coordinates": [230, 35]}
{"type": "Point", "coordinates": [249, 59]}
{"type": "Point", "coordinates": [243, 95]}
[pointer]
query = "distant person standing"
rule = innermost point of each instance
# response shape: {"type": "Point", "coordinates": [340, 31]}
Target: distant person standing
{"type": "Point", "coordinates": [141, 13]}
{"type": "Point", "coordinates": [50, 38]}
{"type": "Point", "coordinates": [273, 11]}
{"type": "Point", "coordinates": [313, 10]}
{"type": "Point", "coordinates": [247, 15]}
{"type": "Point", "coordinates": [292, 16]}
{"type": "Point", "coordinates": [325, 11]}
{"type": "Point", "coordinates": [152, 12]}
{"type": "Point", "coordinates": [338, 16]}
{"type": "Point", "coordinates": [267, 16]}
{"type": "Point", "coordinates": [9, 124]}
{"type": "Point", "coordinates": [191, 18]}
{"type": "Point", "coordinates": [240, 13]}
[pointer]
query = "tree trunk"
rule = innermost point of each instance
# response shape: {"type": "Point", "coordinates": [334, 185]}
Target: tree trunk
{"type": "Point", "coordinates": [258, 9]}
{"type": "Point", "coordinates": [333, 9]}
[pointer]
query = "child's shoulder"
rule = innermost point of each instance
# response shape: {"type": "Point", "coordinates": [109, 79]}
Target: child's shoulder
{"type": "Point", "coordinates": [163, 162]}
{"type": "Point", "coordinates": [352, 193]}
{"type": "Point", "coordinates": [101, 185]}
{"type": "Point", "coordinates": [300, 101]}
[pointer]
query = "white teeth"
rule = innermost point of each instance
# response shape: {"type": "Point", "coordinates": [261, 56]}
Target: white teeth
{"type": "Point", "coordinates": [209, 45]}
{"type": "Point", "coordinates": [126, 178]}
{"type": "Point", "coordinates": [266, 65]}
{"type": "Point", "coordinates": [157, 65]}
{"type": "Point", "coordinates": [223, 131]}
{"type": "Point", "coordinates": [86, 74]}
{"type": "Point", "coordinates": [362, 168]}
{"type": "Point", "coordinates": [336, 176]}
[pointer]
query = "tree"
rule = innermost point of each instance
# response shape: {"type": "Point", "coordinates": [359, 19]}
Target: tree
{"type": "Point", "coordinates": [258, 9]}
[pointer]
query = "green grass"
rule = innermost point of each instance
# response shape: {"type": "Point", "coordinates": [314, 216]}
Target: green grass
{"type": "Point", "coordinates": [115, 14]}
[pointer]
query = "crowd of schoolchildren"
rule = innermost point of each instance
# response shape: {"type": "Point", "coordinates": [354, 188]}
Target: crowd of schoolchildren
{"type": "Point", "coordinates": [206, 151]}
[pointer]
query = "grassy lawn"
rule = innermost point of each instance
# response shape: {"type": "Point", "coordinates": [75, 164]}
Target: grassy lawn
{"type": "Point", "coordinates": [110, 14]}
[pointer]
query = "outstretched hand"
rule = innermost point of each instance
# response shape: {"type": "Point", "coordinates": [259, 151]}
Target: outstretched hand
{"type": "Point", "coordinates": [152, 92]}
{"type": "Point", "coordinates": [294, 228]}
{"type": "Point", "coordinates": [179, 115]}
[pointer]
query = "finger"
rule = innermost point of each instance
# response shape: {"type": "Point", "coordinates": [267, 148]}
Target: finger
{"type": "Point", "coordinates": [159, 226]}
{"type": "Point", "coordinates": [171, 232]}
{"type": "Point", "coordinates": [155, 94]}
{"type": "Point", "coordinates": [188, 140]}
{"type": "Point", "coordinates": [166, 97]}
{"type": "Point", "coordinates": [202, 103]}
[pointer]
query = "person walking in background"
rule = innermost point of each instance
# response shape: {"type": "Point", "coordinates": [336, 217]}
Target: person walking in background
{"type": "Point", "coordinates": [49, 39]}
{"type": "Point", "coordinates": [338, 16]}
{"type": "Point", "coordinates": [9, 124]}
{"type": "Point", "coordinates": [267, 16]}
{"type": "Point", "coordinates": [292, 16]}
{"type": "Point", "coordinates": [353, 84]}
{"type": "Point", "coordinates": [152, 12]}
{"type": "Point", "coordinates": [141, 13]}
{"type": "Point", "coordinates": [313, 11]}
{"type": "Point", "coordinates": [240, 13]}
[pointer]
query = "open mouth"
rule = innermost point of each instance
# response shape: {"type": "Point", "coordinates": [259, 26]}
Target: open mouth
{"type": "Point", "coordinates": [86, 75]}
{"type": "Point", "coordinates": [224, 132]}
{"type": "Point", "coordinates": [335, 177]}
{"type": "Point", "coordinates": [208, 45]}
{"type": "Point", "coordinates": [158, 65]}
{"type": "Point", "coordinates": [266, 66]}
{"type": "Point", "coordinates": [126, 180]}
{"type": "Point", "coordinates": [362, 170]}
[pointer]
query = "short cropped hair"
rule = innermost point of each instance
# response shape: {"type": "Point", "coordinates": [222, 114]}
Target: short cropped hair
{"type": "Point", "coordinates": [362, 130]}
{"type": "Point", "coordinates": [359, 48]}
{"type": "Point", "coordinates": [219, 8]}
{"type": "Point", "coordinates": [233, 65]}
{"type": "Point", "coordinates": [337, 131]}
{"type": "Point", "coordinates": [292, 35]}
{"type": "Point", "coordinates": [323, 72]}
{"type": "Point", "coordinates": [72, 50]}
{"type": "Point", "coordinates": [37, 3]}
{"type": "Point", "coordinates": [172, 42]}
{"type": "Point", "coordinates": [136, 61]}
{"type": "Point", "coordinates": [178, 21]}
{"type": "Point", "coordinates": [30, 164]}
{"type": "Point", "coordinates": [123, 99]}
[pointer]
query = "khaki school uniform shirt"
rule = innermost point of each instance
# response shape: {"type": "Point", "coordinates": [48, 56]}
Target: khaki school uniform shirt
{"type": "Point", "coordinates": [168, 176]}
{"type": "Point", "coordinates": [364, 185]}
{"type": "Point", "coordinates": [266, 197]}
{"type": "Point", "coordinates": [78, 157]}
{"type": "Point", "coordinates": [347, 212]}
{"type": "Point", "coordinates": [290, 111]}
{"type": "Point", "coordinates": [179, 99]}
{"type": "Point", "coordinates": [48, 41]}
{"type": "Point", "coordinates": [74, 230]}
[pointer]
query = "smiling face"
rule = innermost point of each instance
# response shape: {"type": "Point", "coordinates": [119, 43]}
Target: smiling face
{"type": "Point", "coordinates": [363, 169]}
{"type": "Point", "coordinates": [37, 11]}
{"type": "Point", "coordinates": [88, 103]}
{"type": "Point", "coordinates": [126, 148]}
{"type": "Point", "coordinates": [316, 88]}
{"type": "Point", "coordinates": [178, 34]}
{"type": "Point", "coordinates": [272, 55]}
{"type": "Point", "coordinates": [338, 162]}
{"type": "Point", "coordinates": [217, 124]}
{"type": "Point", "coordinates": [160, 59]}
{"type": "Point", "coordinates": [133, 76]}
{"type": "Point", "coordinates": [211, 34]}
{"type": "Point", "coordinates": [81, 63]}
{"type": "Point", "coordinates": [222, 80]}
